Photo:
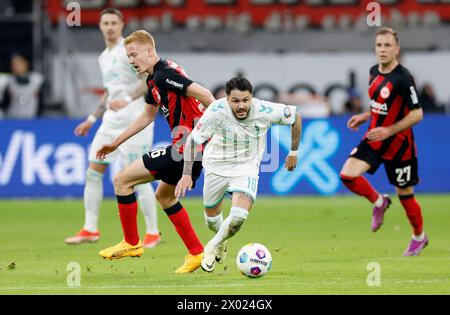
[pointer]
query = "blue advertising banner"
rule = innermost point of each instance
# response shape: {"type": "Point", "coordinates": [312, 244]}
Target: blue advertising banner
{"type": "Point", "coordinates": [43, 158]}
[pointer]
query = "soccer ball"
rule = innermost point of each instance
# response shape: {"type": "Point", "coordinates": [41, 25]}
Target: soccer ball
{"type": "Point", "coordinates": [254, 260]}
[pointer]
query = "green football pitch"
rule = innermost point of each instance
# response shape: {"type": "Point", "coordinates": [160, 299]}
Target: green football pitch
{"type": "Point", "coordinates": [319, 245]}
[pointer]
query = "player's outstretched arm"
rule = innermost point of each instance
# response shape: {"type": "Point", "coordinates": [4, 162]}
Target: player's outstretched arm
{"type": "Point", "coordinates": [200, 93]}
{"type": "Point", "coordinates": [185, 183]}
{"type": "Point", "coordinates": [381, 133]}
{"type": "Point", "coordinates": [296, 135]}
{"type": "Point", "coordinates": [83, 128]}
{"type": "Point", "coordinates": [142, 121]}
{"type": "Point", "coordinates": [141, 90]}
{"type": "Point", "coordinates": [357, 120]}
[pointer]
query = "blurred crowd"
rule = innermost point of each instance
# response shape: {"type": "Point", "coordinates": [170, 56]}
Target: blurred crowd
{"type": "Point", "coordinates": [319, 106]}
{"type": "Point", "coordinates": [21, 96]}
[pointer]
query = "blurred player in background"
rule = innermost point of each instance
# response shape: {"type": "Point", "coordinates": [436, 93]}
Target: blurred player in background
{"type": "Point", "coordinates": [122, 102]}
{"type": "Point", "coordinates": [394, 109]}
{"type": "Point", "coordinates": [181, 101]}
{"type": "Point", "coordinates": [236, 128]}
{"type": "Point", "coordinates": [24, 90]}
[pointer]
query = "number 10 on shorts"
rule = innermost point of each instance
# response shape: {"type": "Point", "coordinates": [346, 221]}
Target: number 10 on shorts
{"type": "Point", "coordinates": [251, 184]}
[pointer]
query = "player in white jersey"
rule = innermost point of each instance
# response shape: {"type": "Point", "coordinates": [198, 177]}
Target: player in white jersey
{"type": "Point", "coordinates": [235, 128]}
{"type": "Point", "coordinates": [120, 105]}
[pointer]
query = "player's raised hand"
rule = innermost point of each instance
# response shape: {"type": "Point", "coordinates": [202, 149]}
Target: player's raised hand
{"type": "Point", "coordinates": [115, 105]}
{"type": "Point", "coordinates": [106, 149]}
{"type": "Point", "coordinates": [185, 183]}
{"type": "Point", "coordinates": [83, 128]}
{"type": "Point", "coordinates": [291, 163]}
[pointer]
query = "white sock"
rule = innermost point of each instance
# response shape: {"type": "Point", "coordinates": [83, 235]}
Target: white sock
{"type": "Point", "coordinates": [419, 238]}
{"type": "Point", "coordinates": [379, 202]}
{"type": "Point", "coordinates": [146, 199]}
{"type": "Point", "coordinates": [93, 196]}
{"type": "Point", "coordinates": [229, 227]}
{"type": "Point", "coordinates": [214, 223]}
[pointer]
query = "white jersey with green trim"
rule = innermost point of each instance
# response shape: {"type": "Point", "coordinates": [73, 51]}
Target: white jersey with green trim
{"type": "Point", "coordinates": [236, 147]}
{"type": "Point", "coordinates": [119, 79]}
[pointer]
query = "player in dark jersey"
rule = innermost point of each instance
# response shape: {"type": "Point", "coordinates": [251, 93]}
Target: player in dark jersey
{"type": "Point", "coordinates": [181, 101]}
{"type": "Point", "coordinates": [394, 109]}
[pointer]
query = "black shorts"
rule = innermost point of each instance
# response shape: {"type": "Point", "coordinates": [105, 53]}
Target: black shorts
{"type": "Point", "coordinates": [400, 173]}
{"type": "Point", "coordinates": [167, 166]}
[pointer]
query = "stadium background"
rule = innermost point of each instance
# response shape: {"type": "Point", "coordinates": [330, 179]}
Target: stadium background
{"type": "Point", "coordinates": [283, 47]}
{"type": "Point", "coordinates": [320, 244]}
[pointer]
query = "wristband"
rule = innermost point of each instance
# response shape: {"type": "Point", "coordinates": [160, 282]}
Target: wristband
{"type": "Point", "coordinates": [293, 153]}
{"type": "Point", "coordinates": [128, 98]}
{"type": "Point", "coordinates": [92, 119]}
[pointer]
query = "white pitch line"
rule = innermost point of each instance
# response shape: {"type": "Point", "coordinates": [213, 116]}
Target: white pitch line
{"type": "Point", "coordinates": [385, 283]}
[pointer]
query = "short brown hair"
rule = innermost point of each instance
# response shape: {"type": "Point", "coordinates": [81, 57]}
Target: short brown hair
{"type": "Point", "coordinates": [140, 37]}
{"type": "Point", "coordinates": [112, 11]}
{"type": "Point", "coordinates": [388, 30]}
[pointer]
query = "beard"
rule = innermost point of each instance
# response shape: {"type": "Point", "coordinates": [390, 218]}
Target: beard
{"type": "Point", "coordinates": [239, 118]}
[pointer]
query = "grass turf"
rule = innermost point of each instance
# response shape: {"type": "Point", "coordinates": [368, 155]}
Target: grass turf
{"type": "Point", "coordinates": [319, 245]}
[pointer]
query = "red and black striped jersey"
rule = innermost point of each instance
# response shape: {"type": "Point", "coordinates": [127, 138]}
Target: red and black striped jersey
{"type": "Point", "coordinates": [167, 88]}
{"type": "Point", "coordinates": [392, 96]}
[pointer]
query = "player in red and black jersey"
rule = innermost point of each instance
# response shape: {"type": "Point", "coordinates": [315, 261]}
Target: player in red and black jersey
{"type": "Point", "coordinates": [181, 101]}
{"type": "Point", "coordinates": [167, 88]}
{"type": "Point", "coordinates": [394, 109]}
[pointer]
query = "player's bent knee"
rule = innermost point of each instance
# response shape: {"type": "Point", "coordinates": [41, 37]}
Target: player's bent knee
{"type": "Point", "coordinates": [120, 181]}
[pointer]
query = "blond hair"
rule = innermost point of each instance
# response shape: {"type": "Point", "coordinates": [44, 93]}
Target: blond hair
{"type": "Point", "coordinates": [140, 37]}
{"type": "Point", "coordinates": [388, 30]}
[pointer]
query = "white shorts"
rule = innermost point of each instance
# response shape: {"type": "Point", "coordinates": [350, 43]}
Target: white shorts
{"type": "Point", "coordinates": [129, 151]}
{"type": "Point", "coordinates": [215, 187]}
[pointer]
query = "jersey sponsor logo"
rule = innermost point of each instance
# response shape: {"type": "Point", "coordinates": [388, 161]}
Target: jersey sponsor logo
{"type": "Point", "coordinates": [385, 92]}
{"type": "Point", "coordinates": [378, 108]}
{"type": "Point", "coordinates": [175, 84]}
{"type": "Point", "coordinates": [199, 126]}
